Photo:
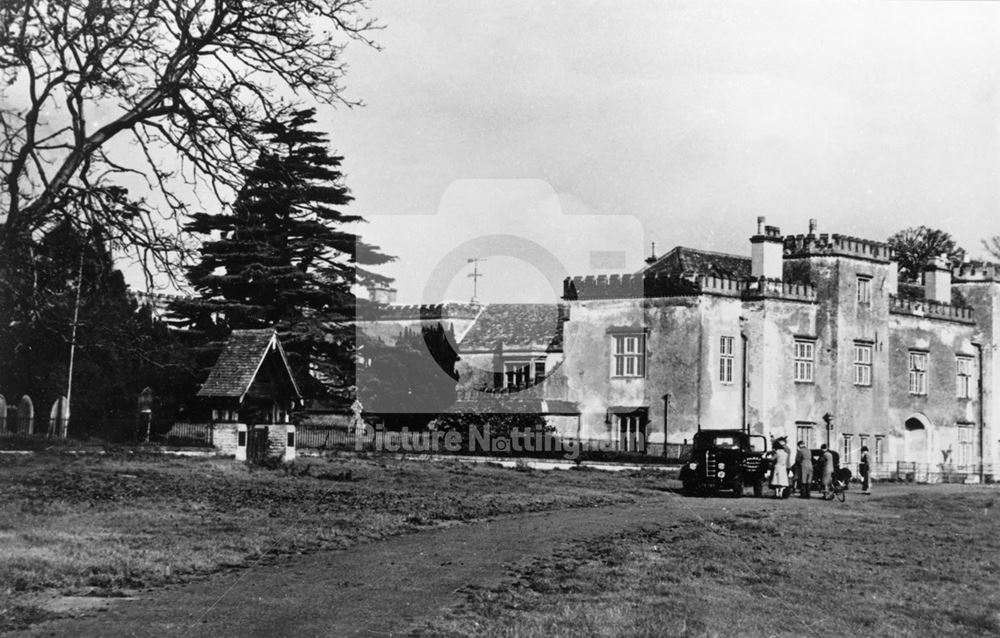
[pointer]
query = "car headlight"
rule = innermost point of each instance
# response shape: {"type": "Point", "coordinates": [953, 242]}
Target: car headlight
{"type": "Point", "coordinates": [722, 466]}
{"type": "Point", "coordinates": [722, 475]}
{"type": "Point", "coordinates": [692, 466]}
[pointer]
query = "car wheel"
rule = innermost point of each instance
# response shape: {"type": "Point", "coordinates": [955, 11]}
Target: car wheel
{"type": "Point", "coordinates": [758, 489]}
{"type": "Point", "coordinates": [738, 489]}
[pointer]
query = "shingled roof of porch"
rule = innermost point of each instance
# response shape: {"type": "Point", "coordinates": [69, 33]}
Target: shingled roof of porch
{"type": "Point", "coordinates": [240, 361]}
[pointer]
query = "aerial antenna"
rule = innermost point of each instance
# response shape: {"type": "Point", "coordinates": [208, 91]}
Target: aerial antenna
{"type": "Point", "coordinates": [475, 275]}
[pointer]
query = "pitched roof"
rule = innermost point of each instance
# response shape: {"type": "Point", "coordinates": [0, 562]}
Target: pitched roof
{"type": "Point", "coordinates": [689, 261]}
{"type": "Point", "coordinates": [524, 325]}
{"type": "Point", "coordinates": [509, 404]}
{"type": "Point", "coordinates": [238, 364]}
{"type": "Point", "coordinates": [426, 312]}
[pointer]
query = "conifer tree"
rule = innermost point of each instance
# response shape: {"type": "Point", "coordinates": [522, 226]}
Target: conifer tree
{"type": "Point", "coordinates": [284, 257]}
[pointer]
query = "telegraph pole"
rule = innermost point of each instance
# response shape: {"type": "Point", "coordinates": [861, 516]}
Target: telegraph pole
{"type": "Point", "coordinates": [475, 275]}
{"type": "Point", "coordinates": [72, 349]}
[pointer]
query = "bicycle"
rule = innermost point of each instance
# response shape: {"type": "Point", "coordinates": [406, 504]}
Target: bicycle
{"type": "Point", "coordinates": [838, 489]}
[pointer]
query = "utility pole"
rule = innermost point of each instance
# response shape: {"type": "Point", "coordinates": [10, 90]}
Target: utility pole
{"type": "Point", "coordinates": [475, 275]}
{"type": "Point", "coordinates": [72, 348]}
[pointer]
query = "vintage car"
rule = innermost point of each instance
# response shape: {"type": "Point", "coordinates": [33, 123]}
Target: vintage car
{"type": "Point", "coordinates": [724, 460]}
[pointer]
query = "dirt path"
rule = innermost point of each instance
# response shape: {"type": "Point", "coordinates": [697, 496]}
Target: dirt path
{"type": "Point", "coordinates": [377, 589]}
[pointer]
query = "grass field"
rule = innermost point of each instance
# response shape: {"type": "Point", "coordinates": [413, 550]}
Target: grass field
{"type": "Point", "coordinates": [910, 561]}
{"type": "Point", "coordinates": [110, 525]}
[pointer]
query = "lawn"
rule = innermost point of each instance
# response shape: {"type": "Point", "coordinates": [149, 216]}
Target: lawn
{"type": "Point", "coordinates": [113, 524]}
{"type": "Point", "coordinates": [910, 561]}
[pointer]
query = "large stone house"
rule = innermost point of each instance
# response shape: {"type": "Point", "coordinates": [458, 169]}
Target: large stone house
{"type": "Point", "coordinates": [811, 337]}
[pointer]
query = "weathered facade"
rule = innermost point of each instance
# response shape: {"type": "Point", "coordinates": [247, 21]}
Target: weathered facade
{"type": "Point", "coordinates": [811, 337]}
{"type": "Point", "coordinates": [818, 343]}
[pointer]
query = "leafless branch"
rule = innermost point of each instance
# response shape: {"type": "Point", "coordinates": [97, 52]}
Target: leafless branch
{"type": "Point", "coordinates": [187, 80]}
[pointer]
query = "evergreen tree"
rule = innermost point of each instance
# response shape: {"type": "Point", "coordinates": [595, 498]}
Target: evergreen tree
{"type": "Point", "coordinates": [284, 258]}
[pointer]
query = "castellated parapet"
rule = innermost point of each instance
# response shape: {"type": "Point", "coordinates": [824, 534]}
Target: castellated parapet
{"type": "Point", "coordinates": [641, 286]}
{"type": "Point", "coordinates": [420, 311]}
{"type": "Point", "coordinates": [826, 245]}
{"type": "Point", "coordinates": [635, 286]}
{"type": "Point", "coordinates": [777, 289]}
{"type": "Point", "coordinates": [976, 271]}
{"type": "Point", "coordinates": [930, 310]}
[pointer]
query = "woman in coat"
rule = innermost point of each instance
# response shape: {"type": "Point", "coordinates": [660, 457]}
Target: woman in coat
{"type": "Point", "coordinates": [826, 469]}
{"type": "Point", "coordinates": [779, 476]}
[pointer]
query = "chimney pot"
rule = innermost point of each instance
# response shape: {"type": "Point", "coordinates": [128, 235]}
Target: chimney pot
{"type": "Point", "coordinates": [812, 226]}
{"type": "Point", "coordinates": [761, 220]}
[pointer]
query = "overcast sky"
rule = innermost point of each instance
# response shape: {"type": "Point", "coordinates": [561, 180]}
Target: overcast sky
{"type": "Point", "coordinates": [678, 122]}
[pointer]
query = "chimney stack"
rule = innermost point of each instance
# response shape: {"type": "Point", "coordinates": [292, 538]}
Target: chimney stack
{"type": "Point", "coordinates": [937, 280]}
{"type": "Point", "coordinates": [766, 251]}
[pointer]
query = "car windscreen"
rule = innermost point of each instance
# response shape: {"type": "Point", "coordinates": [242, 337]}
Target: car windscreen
{"type": "Point", "coordinates": [718, 441]}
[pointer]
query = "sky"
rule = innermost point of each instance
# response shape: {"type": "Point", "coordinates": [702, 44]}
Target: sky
{"type": "Point", "coordinates": [554, 138]}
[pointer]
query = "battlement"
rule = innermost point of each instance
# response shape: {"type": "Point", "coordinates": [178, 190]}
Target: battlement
{"type": "Point", "coordinates": [826, 245]}
{"type": "Point", "coordinates": [635, 286]}
{"type": "Point", "coordinates": [424, 312]}
{"type": "Point", "coordinates": [646, 286]}
{"type": "Point", "coordinates": [976, 271]}
{"type": "Point", "coordinates": [930, 310]}
{"type": "Point", "coordinates": [764, 288]}
{"type": "Point", "coordinates": [721, 286]}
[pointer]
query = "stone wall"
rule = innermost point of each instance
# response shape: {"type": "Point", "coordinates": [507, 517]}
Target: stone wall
{"type": "Point", "coordinates": [227, 439]}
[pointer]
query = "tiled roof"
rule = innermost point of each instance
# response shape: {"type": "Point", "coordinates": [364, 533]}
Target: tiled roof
{"type": "Point", "coordinates": [239, 362]}
{"type": "Point", "coordinates": [424, 312]}
{"type": "Point", "coordinates": [534, 326]}
{"type": "Point", "coordinates": [508, 404]}
{"type": "Point", "coordinates": [688, 261]}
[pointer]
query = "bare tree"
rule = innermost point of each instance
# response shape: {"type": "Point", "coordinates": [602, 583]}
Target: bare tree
{"type": "Point", "coordinates": [992, 245]}
{"type": "Point", "coordinates": [166, 95]}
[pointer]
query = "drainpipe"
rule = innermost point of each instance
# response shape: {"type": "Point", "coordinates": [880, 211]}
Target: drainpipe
{"type": "Point", "coordinates": [979, 393]}
{"type": "Point", "coordinates": [666, 421]}
{"type": "Point", "coordinates": [743, 383]}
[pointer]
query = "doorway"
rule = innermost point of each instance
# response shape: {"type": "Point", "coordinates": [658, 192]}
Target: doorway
{"type": "Point", "coordinates": [915, 438]}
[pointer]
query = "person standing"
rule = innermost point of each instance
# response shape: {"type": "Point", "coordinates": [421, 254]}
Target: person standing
{"type": "Point", "coordinates": [826, 470]}
{"type": "Point", "coordinates": [865, 470]}
{"type": "Point", "coordinates": [779, 476]}
{"type": "Point", "coordinates": [804, 470]}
